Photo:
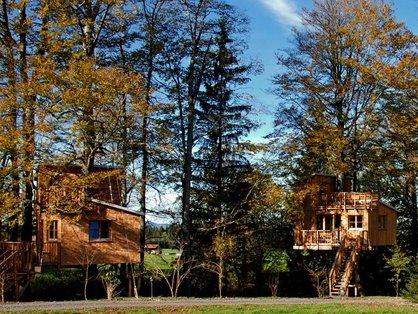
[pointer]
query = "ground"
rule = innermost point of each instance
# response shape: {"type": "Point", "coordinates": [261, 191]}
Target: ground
{"type": "Point", "coordinates": [186, 302]}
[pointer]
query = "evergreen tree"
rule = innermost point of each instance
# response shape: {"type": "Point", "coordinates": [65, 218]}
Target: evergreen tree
{"type": "Point", "coordinates": [223, 122]}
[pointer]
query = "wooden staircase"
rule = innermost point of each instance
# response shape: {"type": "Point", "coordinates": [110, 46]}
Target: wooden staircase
{"type": "Point", "coordinates": [344, 268]}
{"type": "Point", "coordinates": [15, 268]}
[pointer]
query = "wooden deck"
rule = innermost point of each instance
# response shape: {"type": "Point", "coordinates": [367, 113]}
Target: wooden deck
{"type": "Point", "coordinates": [327, 239]}
{"type": "Point", "coordinates": [346, 201]}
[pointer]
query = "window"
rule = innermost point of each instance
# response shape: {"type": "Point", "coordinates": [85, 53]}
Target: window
{"type": "Point", "coordinates": [355, 222]}
{"type": "Point", "coordinates": [99, 230]}
{"type": "Point", "coordinates": [324, 222]}
{"type": "Point", "coordinates": [381, 222]}
{"type": "Point", "coordinates": [337, 221]}
{"type": "Point", "coordinates": [53, 230]}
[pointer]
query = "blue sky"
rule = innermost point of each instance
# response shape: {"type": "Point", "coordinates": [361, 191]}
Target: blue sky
{"type": "Point", "coordinates": [270, 29]}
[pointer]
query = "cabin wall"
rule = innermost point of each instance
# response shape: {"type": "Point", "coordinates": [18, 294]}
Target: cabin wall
{"type": "Point", "coordinates": [76, 247]}
{"type": "Point", "coordinates": [318, 187]}
{"type": "Point", "coordinates": [382, 231]}
{"type": "Point", "coordinates": [355, 232]}
{"type": "Point", "coordinates": [326, 184]}
{"type": "Point", "coordinates": [50, 178]}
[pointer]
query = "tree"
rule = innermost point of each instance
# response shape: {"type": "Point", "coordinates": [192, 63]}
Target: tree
{"type": "Point", "coordinates": [318, 267]}
{"type": "Point", "coordinates": [188, 56]}
{"type": "Point", "coordinates": [276, 263]}
{"type": "Point", "coordinates": [109, 276]}
{"type": "Point", "coordinates": [155, 33]}
{"type": "Point", "coordinates": [23, 24]}
{"type": "Point", "coordinates": [330, 92]}
{"type": "Point", "coordinates": [399, 264]}
{"type": "Point", "coordinates": [411, 287]}
{"type": "Point", "coordinates": [393, 171]}
{"type": "Point", "coordinates": [222, 117]}
{"type": "Point", "coordinates": [180, 269]}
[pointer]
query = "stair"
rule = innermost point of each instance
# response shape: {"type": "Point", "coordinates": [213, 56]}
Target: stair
{"type": "Point", "coordinates": [337, 289]}
{"type": "Point", "coordinates": [345, 267]}
{"type": "Point", "coordinates": [15, 270]}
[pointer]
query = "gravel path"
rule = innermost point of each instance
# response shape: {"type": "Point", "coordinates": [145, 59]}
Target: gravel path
{"type": "Point", "coordinates": [182, 302]}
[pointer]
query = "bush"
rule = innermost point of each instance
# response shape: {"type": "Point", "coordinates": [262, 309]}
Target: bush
{"type": "Point", "coordinates": [55, 284]}
{"type": "Point", "coordinates": [411, 289]}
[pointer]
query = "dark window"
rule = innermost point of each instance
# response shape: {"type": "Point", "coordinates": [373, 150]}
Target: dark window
{"type": "Point", "coordinates": [319, 222]}
{"type": "Point", "coordinates": [324, 222]}
{"type": "Point", "coordinates": [53, 230]}
{"type": "Point", "coordinates": [99, 230]}
{"type": "Point", "coordinates": [381, 222]}
{"type": "Point", "coordinates": [328, 222]}
{"type": "Point", "coordinates": [355, 222]}
{"type": "Point", "coordinates": [337, 221]}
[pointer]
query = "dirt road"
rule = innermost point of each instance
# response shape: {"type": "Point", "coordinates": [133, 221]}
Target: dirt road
{"type": "Point", "coordinates": [183, 302]}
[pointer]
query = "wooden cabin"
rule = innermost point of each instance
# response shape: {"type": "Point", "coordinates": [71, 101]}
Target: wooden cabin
{"type": "Point", "coordinates": [74, 228]}
{"type": "Point", "coordinates": [335, 218]}
{"type": "Point", "coordinates": [80, 221]}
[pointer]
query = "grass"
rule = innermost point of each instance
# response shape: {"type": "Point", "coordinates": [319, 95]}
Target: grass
{"type": "Point", "coordinates": [162, 261]}
{"type": "Point", "coordinates": [255, 309]}
{"type": "Point", "coordinates": [251, 309]}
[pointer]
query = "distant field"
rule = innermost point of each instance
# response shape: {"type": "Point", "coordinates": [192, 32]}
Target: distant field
{"type": "Point", "coordinates": [162, 261]}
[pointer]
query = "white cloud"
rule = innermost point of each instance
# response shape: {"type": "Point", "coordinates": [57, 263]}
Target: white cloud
{"type": "Point", "coordinates": [284, 10]}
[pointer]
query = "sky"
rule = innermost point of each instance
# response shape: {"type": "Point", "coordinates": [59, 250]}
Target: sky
{"type": "Point", "coordinates": [270, 26]}
{"type": "Point", "coordinates": [271, 22]}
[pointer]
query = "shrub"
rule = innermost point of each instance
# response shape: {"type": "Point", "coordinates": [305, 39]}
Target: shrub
{"type": "Point", "coordinates": [54, 284]}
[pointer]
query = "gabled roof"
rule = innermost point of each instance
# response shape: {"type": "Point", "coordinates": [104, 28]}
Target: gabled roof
{"type": "Point", "coordinates": [115, 206]}
{"type": "Point", "coordinates": [390, 206]}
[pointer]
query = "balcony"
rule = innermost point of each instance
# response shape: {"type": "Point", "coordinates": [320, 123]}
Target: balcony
{"type": "Point", "coordinates": [327, 239]}
{"type": "Point", "coordinates": [344, 201]}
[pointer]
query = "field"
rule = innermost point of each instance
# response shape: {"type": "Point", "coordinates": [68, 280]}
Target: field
{"type": "Point", "coordinates": [162, 261]}
{"type": "Point", "coordinates": [376, 305]}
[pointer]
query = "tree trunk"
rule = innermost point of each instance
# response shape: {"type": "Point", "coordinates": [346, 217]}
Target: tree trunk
{"type": "Point", "coordinates": [28, 132]}
{"type": "Point", "coordinates": [411, 188]}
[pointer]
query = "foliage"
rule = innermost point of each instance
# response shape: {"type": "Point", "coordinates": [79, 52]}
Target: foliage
{"type": "Point", "coordinates": [318, 266]}
{"type": "Point", "coordinates": [399, 264]}
{"type": "Point", "coordinates": [329, 86]}
{"type": "Point", "coordinates": [410, 290]}
{"type": "Point", "coordinates": [54, 285]}
{"type": "Point", "coordinates": [276, 262]}
{"type": "Point", "coordinates": [174, 276]}
{"type": "Point", "coordinates": [109, 276]}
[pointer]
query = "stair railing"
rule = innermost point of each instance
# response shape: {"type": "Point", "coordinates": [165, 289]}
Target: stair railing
{"type": "Point", "coordinates": [336, 265]}
{"type": "Point", "coordinates": [351, 265]}
{"type": "Point", "coordinates": [14, 262]}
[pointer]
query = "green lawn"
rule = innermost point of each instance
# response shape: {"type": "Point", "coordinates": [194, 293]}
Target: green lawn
{"type": "Point", "coordinates": [256, 309]}
{"type": "Point", "coordinates": [162, 261]}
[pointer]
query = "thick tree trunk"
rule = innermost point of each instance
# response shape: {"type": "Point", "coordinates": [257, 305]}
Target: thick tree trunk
{"type": "Point", "coordinates": [28, 133]}
{"type": "Point", "coordinates": [412, 195]}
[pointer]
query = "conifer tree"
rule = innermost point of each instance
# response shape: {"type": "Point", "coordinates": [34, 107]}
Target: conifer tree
{"type": "Point", "coordinates": [223, 124]}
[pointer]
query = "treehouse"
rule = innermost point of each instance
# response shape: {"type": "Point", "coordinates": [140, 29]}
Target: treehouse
{"type": "Point", "coordinates": [77, 225]}
{"type": "Point", "coordinates": [335, 218]}
{"type": "Point", "coordinates": [80, 221]}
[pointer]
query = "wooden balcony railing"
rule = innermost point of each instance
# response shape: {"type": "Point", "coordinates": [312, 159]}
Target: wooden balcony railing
{"type": "Point", "coordinates": [317, 237]}
{"type": "Point", "coordinates": [329, 238]}
{"type": "Point", "coordinates": [346, 200]}
{"type": "Point", "coordinates": [49, 254]}
{"type": "Point", "coordinates": [34, 253]}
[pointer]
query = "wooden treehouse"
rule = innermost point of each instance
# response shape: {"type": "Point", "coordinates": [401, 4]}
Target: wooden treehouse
{"type": "Point", "coordinates": [75, 226]}
{"type": "Point", "coordinates": [349, 222]}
